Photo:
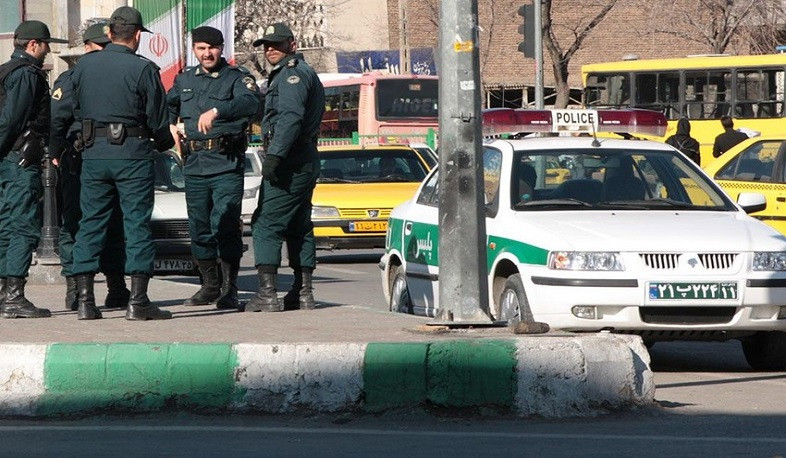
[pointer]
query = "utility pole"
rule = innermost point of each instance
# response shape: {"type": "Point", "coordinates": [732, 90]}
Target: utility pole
{"type": "Point", "coordinates": [538, 54]}
{"type": "Point", "coordinates": [463, 289]}
{"type": "Point", "coordinates": [403, 42]}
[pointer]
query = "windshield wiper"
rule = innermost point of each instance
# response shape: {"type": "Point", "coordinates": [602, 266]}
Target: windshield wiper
{"type": "Point", "coordinates": [647, 204]}
{"type": "Point", "coordinates": [389, 178]}
{"type": "Point", "coordinates": [335, 180]}
{"type": "Point", "coordinates": [569, 202]}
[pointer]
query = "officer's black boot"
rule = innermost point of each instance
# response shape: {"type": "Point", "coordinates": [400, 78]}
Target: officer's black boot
{"type": "Point", "coordinates": [3, 289]}
{"type": "Point", "coordinates": [71, 297]}
{"type": "Point", "coordinates": [266, 298]}
{"type": "Point", "coordinates": [139, 307]}
{"type": "Point", "coordinates": [16, 305]}
{"type": "Point", "coordinates": [301, 295]}
{"type": "Point", "coordinates": [229, 271]}
{"type": "Point", "coordinates": [211, 285]}
{"type": "Point", "coordinates": [87, 309]}
{"type": "Point", "coordinates": [117, 295]}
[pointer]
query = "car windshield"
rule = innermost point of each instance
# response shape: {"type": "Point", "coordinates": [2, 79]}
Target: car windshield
{"type": "Point", "coordinates": [371, 165]}
{"type": "Point", "coordinates": [168, 173]}
{"type": "Point", "coordinates": [601, 178]}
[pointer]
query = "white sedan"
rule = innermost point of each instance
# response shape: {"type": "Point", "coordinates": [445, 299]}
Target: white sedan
{"type": "Point", "coordinates": [621, 235]}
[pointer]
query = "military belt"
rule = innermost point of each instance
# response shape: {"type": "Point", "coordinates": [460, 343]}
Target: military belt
{"type": "Point", "coordinates": [210, 143]}
{"type": "Point", "coordinates": [141, 132]}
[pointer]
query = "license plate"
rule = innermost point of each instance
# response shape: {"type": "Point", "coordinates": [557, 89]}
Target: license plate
{"type": "Point", "coordinates": [368, 226]}
{"type": "Point", "coordinates": [173, 265]}
{"type": "Point", "coordinates": [695, 291]}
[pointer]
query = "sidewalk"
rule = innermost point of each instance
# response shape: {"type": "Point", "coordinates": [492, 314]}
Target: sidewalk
{"type": "Point", "coordinates": [334, 358]}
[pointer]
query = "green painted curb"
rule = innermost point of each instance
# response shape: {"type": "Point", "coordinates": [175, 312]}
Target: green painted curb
{"type": "Point", "coordinates": [84, 377]}
{"type": "Point", "coordinates": [472, 373]}
{"type": "Point", "coordinates": [394, 375]}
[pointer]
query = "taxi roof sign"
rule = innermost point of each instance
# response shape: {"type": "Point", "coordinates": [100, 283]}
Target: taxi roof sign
{"type": "Point", "coordinates": [628, 121]}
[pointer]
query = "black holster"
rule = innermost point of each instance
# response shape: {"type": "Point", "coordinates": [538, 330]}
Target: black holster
{"type": "Point", "coordinates": [88, 133]}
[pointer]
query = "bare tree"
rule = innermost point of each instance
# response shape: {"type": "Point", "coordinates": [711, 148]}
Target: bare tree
{"type": "Point", "coordinates": [578, 32]}
{"type": "Point", "coordinates": [754, 24]}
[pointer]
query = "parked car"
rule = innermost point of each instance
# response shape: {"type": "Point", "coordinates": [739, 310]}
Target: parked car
{"type": "Point", "coordinates": [756, 164]}
{"type": "Point", "coordinates": [251, 182]}
{"type": "Point", "coordinates": [635, 239]}
{"type": "Point", "coordinates": [169, 221]}
{"type": "Point", "coordinates": [357, 188]}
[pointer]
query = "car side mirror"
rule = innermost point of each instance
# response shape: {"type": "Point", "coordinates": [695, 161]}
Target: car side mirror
{"type": "Point", "coordinates": [752, 202]}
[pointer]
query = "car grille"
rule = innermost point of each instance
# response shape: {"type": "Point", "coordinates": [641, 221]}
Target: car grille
{"type": "Point", "coordinates": [177, 229]}
{"type": "Point", "coordinates": [364, 212]}
{"type": "Point", "coordinates": [670, 261]}
{"type": "Point", "coordinates": [687, 315]}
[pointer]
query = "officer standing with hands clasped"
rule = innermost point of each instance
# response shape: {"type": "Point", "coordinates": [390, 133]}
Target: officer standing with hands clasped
{"type": "Point", "coordinates": [294, 104]}
{"type": "Point", "coordinates": [215, 100]}
{"type": "Point", "coordinates": [24, 128]}
{"type": "Point", "coordinates": [122, 104]}
{"type": "Point", "coordinates": [66, 152]}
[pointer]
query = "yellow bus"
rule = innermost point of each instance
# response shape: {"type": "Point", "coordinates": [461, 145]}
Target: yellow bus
{"type": "Point", "coordinates": [750, 89]}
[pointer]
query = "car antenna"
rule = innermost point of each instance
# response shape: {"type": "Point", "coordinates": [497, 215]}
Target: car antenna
{"type": "Point", "coordinates": [595, 143]}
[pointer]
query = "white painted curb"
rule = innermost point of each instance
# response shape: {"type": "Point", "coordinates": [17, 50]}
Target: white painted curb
{"type": "Point", "coordinates": [21, 377]}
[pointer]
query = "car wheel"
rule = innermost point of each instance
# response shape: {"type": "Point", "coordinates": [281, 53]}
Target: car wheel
{"type": "Point", "coordinates": [399, 292]}
{"type": "Point", "coordinates": [513, 305]}
{"type": "Point", "coordinates": [766, 351]}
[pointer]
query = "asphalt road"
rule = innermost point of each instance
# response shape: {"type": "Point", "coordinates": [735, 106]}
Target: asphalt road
{"type": "Point", "coordinates": [709, 403]}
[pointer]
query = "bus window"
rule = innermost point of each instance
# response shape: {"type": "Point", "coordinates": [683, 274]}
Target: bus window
{"type": "Point", "coordinates": [607, 90]}
{"type": "Point", "coordinates": [759, 93]}
{"type": "Point", "coordinates": [708, 94]}
{"type": "Point", "coordinates": [660, 92]}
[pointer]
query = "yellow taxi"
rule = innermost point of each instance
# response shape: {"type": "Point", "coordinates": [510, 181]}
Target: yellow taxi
{"type": "Point", "coordinates": [756, 165]}
{"type": "Point", "coordinates": [358, 187]}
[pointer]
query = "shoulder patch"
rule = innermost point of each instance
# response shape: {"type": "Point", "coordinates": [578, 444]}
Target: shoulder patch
{"type": "Point", "coordinates": [292, 63]}
{"type": "Point", "coordinates": [58, 94]}
{"type": "Point", "coordinates": [250, 83]}
{"type": "Point", "coordinates": [294, 79]}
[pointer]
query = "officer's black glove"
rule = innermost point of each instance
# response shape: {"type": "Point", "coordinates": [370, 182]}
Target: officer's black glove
{"type": "Point", "coordinates": [269, 166]}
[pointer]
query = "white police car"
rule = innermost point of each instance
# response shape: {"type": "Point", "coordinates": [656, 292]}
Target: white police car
{"type": "Point", "coordinates": [593, 234]}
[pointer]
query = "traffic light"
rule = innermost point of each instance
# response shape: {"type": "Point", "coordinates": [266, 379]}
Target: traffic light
{"type": "Point", "coordinates": [527, 29]}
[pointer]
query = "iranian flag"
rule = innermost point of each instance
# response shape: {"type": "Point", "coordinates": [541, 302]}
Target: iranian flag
{"type": "Point", "coordinates": [165, 45]}
{"type": "Point", "coordinates": [219, 14]}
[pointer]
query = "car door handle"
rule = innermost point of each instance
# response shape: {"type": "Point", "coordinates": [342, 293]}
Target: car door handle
{"type": "Point", "coordinates": [407, 228]}
{"type": "Point", "coordinates": [781, 199]}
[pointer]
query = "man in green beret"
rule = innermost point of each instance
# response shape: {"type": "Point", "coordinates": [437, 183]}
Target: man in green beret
{"type": "Point", "coordinates": [294, 104]}
{"type": "Point", "coordinates": [215, 102]}
{"type": "Point", "coordinates": [24, 129]}
{"type": "Point", "coordinates": [66, 152]}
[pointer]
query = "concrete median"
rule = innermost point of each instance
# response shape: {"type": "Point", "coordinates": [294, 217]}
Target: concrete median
{"type": "Point", "coordinates": [549, 376]}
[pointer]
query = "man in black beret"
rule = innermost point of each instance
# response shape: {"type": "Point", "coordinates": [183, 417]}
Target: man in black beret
{"type": "Point", "coordinates": [215, 102]}
{"type": "Point", "coordinates": [24, 128]}
{"type": "Point", "coordinates": [67, 152]}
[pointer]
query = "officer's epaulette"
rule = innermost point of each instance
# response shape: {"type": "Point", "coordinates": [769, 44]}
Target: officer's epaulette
{"type": "Point", "coordinates": [292, 63]}
{"type": "Point", "coordinates": [149, 61]}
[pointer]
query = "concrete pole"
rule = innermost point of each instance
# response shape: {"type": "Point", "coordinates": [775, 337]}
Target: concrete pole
{"type": "Point", "coordinates": [538, 55]}
{"type": "Point", "coordinates": [463, 289]}
{"type": "Point", "coordinates": [403, 42]}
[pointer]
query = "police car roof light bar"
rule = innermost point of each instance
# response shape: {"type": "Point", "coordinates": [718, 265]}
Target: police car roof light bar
{"type": "Point", "coordinates": [499, 121]}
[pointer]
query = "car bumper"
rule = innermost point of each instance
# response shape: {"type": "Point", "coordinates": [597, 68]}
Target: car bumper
{"type": "Point", "coordinates": [625, 305]}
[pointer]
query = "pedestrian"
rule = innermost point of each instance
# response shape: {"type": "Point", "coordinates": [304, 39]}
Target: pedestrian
{"type": "Point", "coordinates": [67, 154]}
{"type": "Point", "coordinates": [215, 101]}
{"type": "Point", "coordinates": [728, 138]}
{"type": "Point", "coordinates": [24, 130]}
{"type": "Point", "coordinates": [294, 103]}
{"type": "Point", "coordinates": [122, 104]}
{"type": "Point", "coordinates": [684, 142]}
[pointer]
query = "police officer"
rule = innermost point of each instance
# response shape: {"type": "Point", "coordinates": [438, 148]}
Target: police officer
{"type": "Point", "coordinates": [122, 105]}
{"type": "Point", "coordinates": [294, 104]}
{"type": "Point", "coordinates": [24, 128]}
{"type": "Point", "coordinates": [66, 153]}
{"type": "Point", "coordinates": [215, 101]}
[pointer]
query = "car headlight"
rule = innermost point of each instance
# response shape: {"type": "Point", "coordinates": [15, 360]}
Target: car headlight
{"type": "Point", "coordinates": [769, 260]}
{"type": "Point", "coordinates": [585, 260]}
{"type": "Point", "coordinates": [250, 193]}
{"type": "Point", "coordinates": [324, 212]}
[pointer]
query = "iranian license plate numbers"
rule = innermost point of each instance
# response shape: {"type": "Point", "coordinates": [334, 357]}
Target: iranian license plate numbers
{"type": "Point", "coordinates": [693, 291]}
{"type": "Point", "coordinates": [368, 226]}
{"type": "Point", "coordinates": [172, 265]}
